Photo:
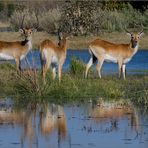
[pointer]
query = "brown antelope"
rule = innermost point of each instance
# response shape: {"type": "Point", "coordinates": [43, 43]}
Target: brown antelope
{"type": "Point", "coordinates": [102, 50]}
{"type": "Point", "coordinates": [53, 55]}
{"type": "Point", "coordinates": [53, 119]}
{"type": "Point", "coordinates": [17, 50]}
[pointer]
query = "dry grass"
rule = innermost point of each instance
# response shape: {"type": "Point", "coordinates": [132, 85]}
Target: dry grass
{"type": "Point", "coordinates": [4, 24]}
{"type": "Point", "coordinates": [80, 42]}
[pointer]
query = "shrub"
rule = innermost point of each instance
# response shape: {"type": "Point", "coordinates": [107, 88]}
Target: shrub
{"type": "Point", "coordinates": [50, 20]}
{"type": "Point", "coordinates": [133, 18]}
{"type": "Point", "coordinates": [81, 18]}
{"type": "Point", "coordinates": [30, 19]}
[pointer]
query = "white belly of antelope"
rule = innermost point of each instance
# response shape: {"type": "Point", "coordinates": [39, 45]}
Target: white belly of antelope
{"type": "Point", "coordinates": [110, 58]}
{"type": "Point", "coordinates": [6, 57]}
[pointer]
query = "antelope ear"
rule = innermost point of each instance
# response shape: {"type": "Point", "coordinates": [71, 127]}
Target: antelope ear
{"type": "Point", "coordinates": [129, 34]}
{"type": "Point", "coordinates": [21, 30]}
{"type": "Point", "coordinates": [140, 34]}
{"type": "Point", "coordinates": [61, 35]}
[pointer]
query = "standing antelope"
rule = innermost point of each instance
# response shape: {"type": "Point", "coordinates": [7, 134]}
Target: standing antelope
{"type": "Point", "coordinates": [17, 50]}
{"type": "Point", "coordinates": [102, 50]}
{"type": "Point", "coordinates": [53, 55]}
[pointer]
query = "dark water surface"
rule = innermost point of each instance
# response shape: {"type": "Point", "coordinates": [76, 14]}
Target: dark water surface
{"type": "Point", "coordinates": [138, 64]}
{"type": "Point", "coordinates": [105, 125]}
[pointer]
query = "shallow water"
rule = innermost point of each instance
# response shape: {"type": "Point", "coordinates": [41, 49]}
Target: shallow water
{"type": "Point", "coordinates": [138, 64]}
{"type": "Point", "coordinates": [105, 125]}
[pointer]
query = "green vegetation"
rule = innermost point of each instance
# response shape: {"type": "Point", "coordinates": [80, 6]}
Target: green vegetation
{"type": "Point", "coordinates": [75, 16]}
{"type": "Point", "coordinates": [86, 21]}
{"type": "Point", "coordinates": [29, 89]}
{"type": "Point", "coordinates": [82, 18]}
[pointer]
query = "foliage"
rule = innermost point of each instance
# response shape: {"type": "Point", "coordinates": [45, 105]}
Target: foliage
{"type": "Point", "coordinates": [77, 68]}
{"type": "Point", "coordinates": [50, 20]}
{"type": "Point", "coordinates": [30, 19]}
{"type": "Point", "coordinates": [82, 18]}
{"type": "Point", "coordinates": [29, 89]}
{"type": "Point", "coordinates": [11, 9]}
{"type": "Point", "coordinates": [85, 18]}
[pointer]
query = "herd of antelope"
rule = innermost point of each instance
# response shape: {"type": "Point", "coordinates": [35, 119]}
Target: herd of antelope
{"type": "Point", "coordinates": [53, 55]}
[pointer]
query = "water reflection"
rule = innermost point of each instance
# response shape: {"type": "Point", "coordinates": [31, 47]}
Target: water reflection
{"type": "Point", "coordinates": [105, 124]}
{"type": "Point", "coordinates": [44, 121]}
{"type": "Point", "coordinates": [52, 118]}
{"type": "Point", "coordinates": [113, 112]}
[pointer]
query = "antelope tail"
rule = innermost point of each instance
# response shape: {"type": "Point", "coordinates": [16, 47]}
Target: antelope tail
{"type": "Point", "coordinates": [42, 57]}
{"type": "Point", "coordinates": [93, 56]}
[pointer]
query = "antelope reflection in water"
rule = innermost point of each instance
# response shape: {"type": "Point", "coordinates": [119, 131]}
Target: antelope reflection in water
{"type": "Point", "coordinates": [105, 111]}
{"type": "Point", "coordinates": [51, 118]}
{"type": "Point", "coordinates": [13, 117]}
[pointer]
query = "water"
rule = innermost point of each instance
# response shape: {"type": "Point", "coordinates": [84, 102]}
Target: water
{"type": "Point", "coordinates": [105, 125]}
{"type": "Point", "coordinates": [138, 64]}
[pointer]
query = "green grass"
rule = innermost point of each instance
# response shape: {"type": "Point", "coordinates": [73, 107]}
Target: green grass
{"type": "Point", "coordinates": [140, 71]}
{"type": "Point", "coordinates": [29, 89]}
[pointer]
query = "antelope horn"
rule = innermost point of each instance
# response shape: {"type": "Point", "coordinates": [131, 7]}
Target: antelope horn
{"type": "Point", "coordinates": [37, 24]}
{"type": "Point", "coordinates": [128, 31]}
{"type": "Point", "coordinates": [59, 37]}
{"type": "Point", "coordinates": [59, 34]}
{"type": "Point", "coordinates": [21, 26]}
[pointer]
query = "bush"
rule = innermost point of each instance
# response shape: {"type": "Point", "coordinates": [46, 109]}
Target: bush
{"type": "Point", "coordinates": [118, 20]}
{"type": "Point", "coordinates": [112, 21]}
{"type": "Point", "coordinates": [49, 21]}
{"type": "Point", "coordinates": [30, 19]}
{"type": "Point", "coordinates": [80, 18]}
{"type": "Point", "coordinates": [133, 18]}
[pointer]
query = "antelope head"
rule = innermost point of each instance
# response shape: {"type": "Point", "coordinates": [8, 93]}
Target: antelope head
{"type": "Point", "coordinates": [62, 37]}
{"type": "Point", "coordinates": [134, 38]}
{"type": "Point", "coordinates": [27, 31]}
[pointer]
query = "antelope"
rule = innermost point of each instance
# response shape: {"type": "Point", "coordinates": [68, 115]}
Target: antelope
{"type": "Point", "coordinates": [17, 50]}
{"type": "Point", "coordinates": [53, 119]}
{"type": "Point", "coordinates": [102, 50]}
{"type": "Point", "coordinates": [53, 55]}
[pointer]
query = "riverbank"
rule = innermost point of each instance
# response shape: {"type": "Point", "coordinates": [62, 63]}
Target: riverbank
{"type": "Point", "coordinates": [76, 42]}
{"type": "Point", "coordinates": [28, 88]}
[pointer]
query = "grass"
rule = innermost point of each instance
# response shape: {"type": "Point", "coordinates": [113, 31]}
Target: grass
{"type": "Point", "coordinates": [4, 24]}
{"type": "Point", "coordinates": [29, 89]}
{"type": "Point", "coordinates": [77, 42]}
